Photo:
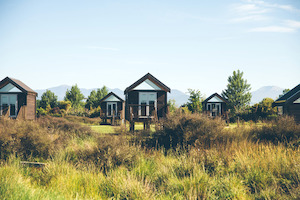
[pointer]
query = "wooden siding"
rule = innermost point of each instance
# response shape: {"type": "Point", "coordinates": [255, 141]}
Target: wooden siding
{"type": "Point", "coordinates": [22, 101]}
{"type": "Point", "coordinates": [161, 104]}
{"type": "Point", "coordinates": [31, 106]}
{"type": "Point", "coordinates": [293, 109]}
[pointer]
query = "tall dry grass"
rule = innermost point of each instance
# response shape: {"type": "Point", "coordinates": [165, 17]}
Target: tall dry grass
{"type": "Point", "coordinates": [224, 164]}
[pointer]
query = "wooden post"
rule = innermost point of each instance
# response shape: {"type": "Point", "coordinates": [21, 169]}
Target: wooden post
{"type": "Point", "coordinates": [113, 119]}
{"type": "Point", "coordinates": [131, 119]}
{"type": "Point", "coordinates": [132, 126]}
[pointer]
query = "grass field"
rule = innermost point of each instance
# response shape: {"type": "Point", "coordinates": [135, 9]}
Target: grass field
{"type": "Point", "coordinates": [83, 164]}
{"type": "Point", "coordinates": [108, 129]}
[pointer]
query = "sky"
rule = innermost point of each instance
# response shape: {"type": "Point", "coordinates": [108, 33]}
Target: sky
{"type": "Point", "coordinates": [185, 44]}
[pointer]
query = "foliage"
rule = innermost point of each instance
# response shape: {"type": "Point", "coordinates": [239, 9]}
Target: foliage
{"type": "Point", "coordinates": [263, 110]}
{"type": "Point", "coordinates": [182, 129]}
{"type": "Point", "coordinates": [65, 105]}
{"type": "Point", "coordinates": [237, 93]}
{"type": "Point", "coordinates": [48, 98]}
{"type": "Point", "coordinates": [172, 106]}
{"type": "Point", "coordinates": [93, 100]}
{"type": "Point", "coordinates": [74, 96]}
{"type": "Point", "coordinates": [285, 91]}
{"type": "Point", "coordinates": [80, 164]}
{"type": "Point", "coordinates": [284, 130]}
{"type": "Point", "coordinates": [84, 120]}
{"type": "Point", "coordinates": [195, 101]}
{"type": "Point", "coordinates": [95, 112]}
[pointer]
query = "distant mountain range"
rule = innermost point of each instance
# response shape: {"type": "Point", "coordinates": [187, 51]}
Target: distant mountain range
{"type": "Point", "coordinates": [266, 91]}
{"type": "Point", "coordinates": [180, 97]}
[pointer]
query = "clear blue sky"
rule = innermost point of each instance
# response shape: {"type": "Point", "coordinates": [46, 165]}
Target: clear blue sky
{"type": "Point", "coordinates": [186, 44]}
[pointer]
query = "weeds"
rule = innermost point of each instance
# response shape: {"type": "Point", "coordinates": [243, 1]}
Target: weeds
{"type": "Point", "coordinates": [195, 158]}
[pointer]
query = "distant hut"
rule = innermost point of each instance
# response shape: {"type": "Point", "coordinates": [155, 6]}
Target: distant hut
{"type": "Point", "coordinates": [289, 103]}
{"type": "Point", "coordinates": [146, 100]}
{"type": "Point", "coordinates": [215, 105]}
{"type": "Point", "coordinates": [17, 100]}
{"type": "Point", "coordinates": [112, 108]}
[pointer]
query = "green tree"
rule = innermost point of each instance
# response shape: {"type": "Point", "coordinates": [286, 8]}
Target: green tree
{"type": "Point", "coordinates": [264, 109]}
{"type": "Point", "coordinates": [100, 94]}
{"type": "Point", "coordinates": [237, 93]}
{"type": "Point", "coordinates": [91, 100]}
{"type": "Point", "coordinates": [74, 96]}
{"type": "Point", "coordinates": [48, 98]}
{"type": "Point", "coordinates": [195, 101]}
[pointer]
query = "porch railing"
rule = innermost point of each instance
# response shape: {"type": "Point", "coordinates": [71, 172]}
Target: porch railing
{"type": "Point", "coordinates": [142, 111]}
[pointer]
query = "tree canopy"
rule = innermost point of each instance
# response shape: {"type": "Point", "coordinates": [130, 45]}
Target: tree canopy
{"type": "Point", "coordinates": [195, 101]}
{"type": "Point", "coordinates": [237, 92]}
{"type": "Point", "coordinates": [93, 100]}
{"type": "Point", "coordinates": [48, 98]}
{"type": "Point", "coordinates": [74, 96]}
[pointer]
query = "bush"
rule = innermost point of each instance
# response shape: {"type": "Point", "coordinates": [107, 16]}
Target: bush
{"type": "Point", "coordinates": [64, 127]}
{"type": "Point", "coordinates": [106, 152]}
{"type": "Point", "coordinates": [283, 129]}
{"type": "Point", "coordinates": [85, 120]}
{"type": "Point", "coordinates": [24, 139]}
{"type": "Point", "coordinates": [38, 139]}
{"type": "Point", "coordinates": [185, 129]}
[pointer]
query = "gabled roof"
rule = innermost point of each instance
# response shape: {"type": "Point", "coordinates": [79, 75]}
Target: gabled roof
{"type": "Point", "coordinates": [152, 79]}
{"type": "Point", "coordinates": [290, 95]}
{"type": "Point", "coordinates": [17, 83]}
{"type": "Point", "coordinates": [111, 94]}
{"type": "Point", "coordinates": [212, 96]}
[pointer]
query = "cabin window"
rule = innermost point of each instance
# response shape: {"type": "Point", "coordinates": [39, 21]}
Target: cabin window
{"type": "Point", "coordinates": [208, 106]}
{"type": "Point", "coordinates": [9, 100]}
{"type": "Point", "coordinates": [147, 103]}
{"type": "Point", "coordinates": [111, 109]}
{"type": "Point", "coordinates": [280, 110]}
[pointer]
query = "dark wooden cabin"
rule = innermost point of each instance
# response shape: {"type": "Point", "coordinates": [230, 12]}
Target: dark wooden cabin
{"type": "Point", "coordinates": [215, 105]}
{"type": "Point", "coordinates": [17, 100]}
{"type": "Point", "coordinates": [146, 100]}
{"type": "Point", "coordinates": [289, 103]}
{"type": "Point", "coordinates": [112, 108]}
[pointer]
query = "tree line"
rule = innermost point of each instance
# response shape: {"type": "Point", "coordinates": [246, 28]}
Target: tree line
{"type": "Point", "coordinates": [237, 93]}
{"type": "Point", "coordinates": [72, 104]}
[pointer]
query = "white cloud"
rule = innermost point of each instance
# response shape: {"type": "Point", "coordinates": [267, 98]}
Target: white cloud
{"type": "Point", "coordinates": [266, 14]}
{"type": "Point", "coordinates": [102, 48]}
{"type": "Point", "coordinates": [246, 9]}
{"type": "Point", "coordinates": [293, 24]}
{"type": "Point", "coordinates": [275, 29]}
{"type": "Point", "coordinates": [250, 18]}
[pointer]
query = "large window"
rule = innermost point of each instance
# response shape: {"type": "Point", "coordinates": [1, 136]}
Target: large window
{"type": "Point", "coordinates": [147, 102]}
{"type": "Point", "coordinates": [9, 100]}
{"type": "Point", "coordinates": [111, 109]}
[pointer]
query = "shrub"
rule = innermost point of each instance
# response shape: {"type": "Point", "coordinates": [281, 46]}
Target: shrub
{"type": "Point", "coordinates": [283, 129]}
{"type": "Point", "coordinates": [25, 139]}
{"type": "Point", "coordinates": [106, 152]}
{"type": "Point", "coordinates": [185, 129]}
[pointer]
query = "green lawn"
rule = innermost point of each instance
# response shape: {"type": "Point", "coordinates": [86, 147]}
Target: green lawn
{"type": "Point", "coordinates": [104, 129]}
{"type": "Point", "coordinates": [108, 129]}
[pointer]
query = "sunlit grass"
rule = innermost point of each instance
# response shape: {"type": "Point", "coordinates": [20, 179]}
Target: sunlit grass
{"type": "Point", "coordinates": [110, 166]}
{"type": "Point", "coordinates": [104, 129]}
